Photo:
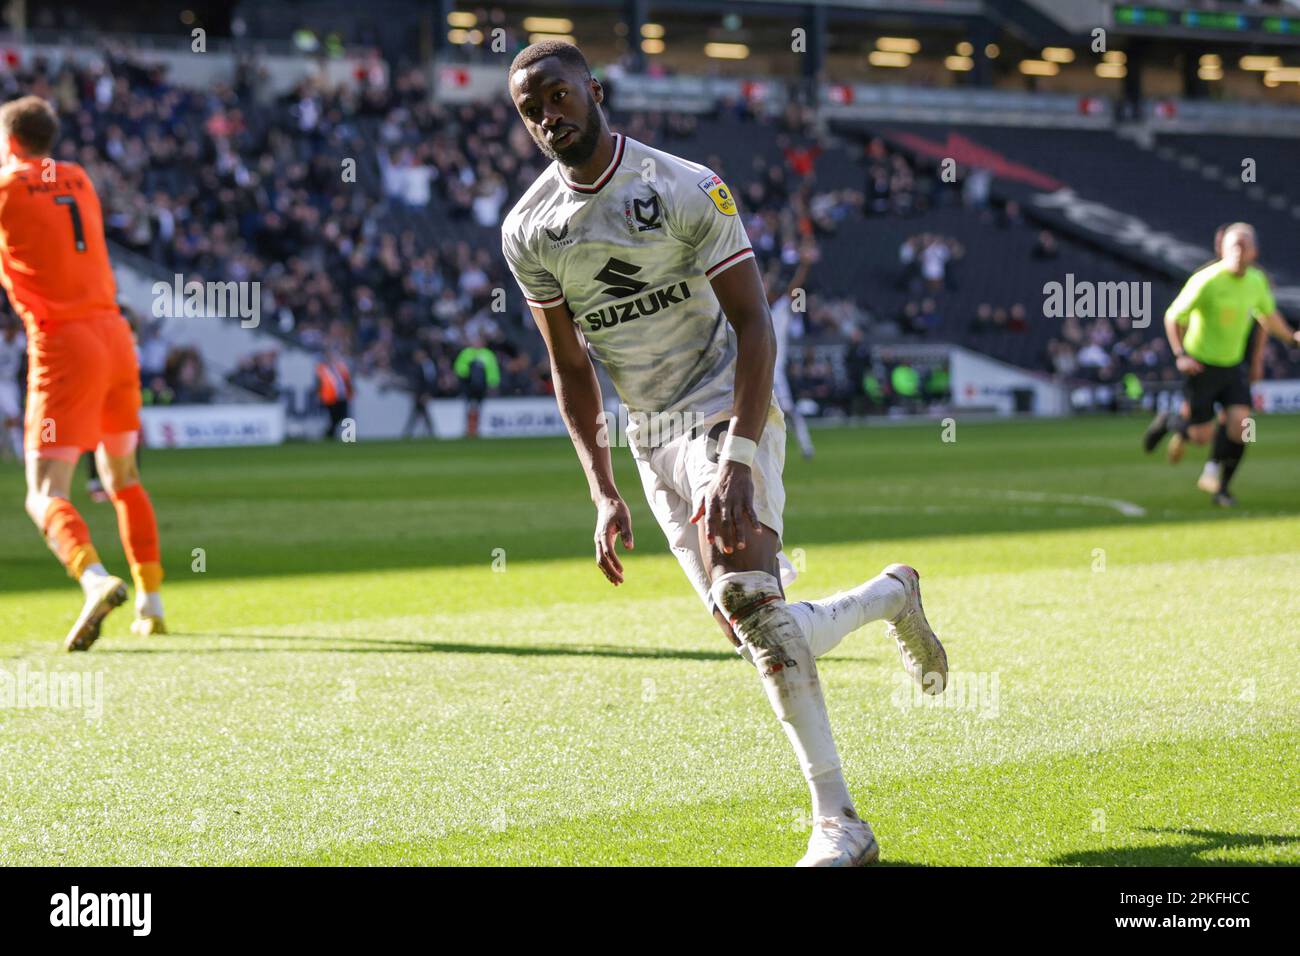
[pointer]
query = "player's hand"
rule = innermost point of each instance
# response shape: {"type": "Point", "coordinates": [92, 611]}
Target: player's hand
{"type": "Point", "coordinates": [728, 508]}
{"type": "Point", "coordinates": [1256, 372]}
{"type": "Point", "coordinates": [613, 522]}
{"type": "Point", "coordinates": [1189, 366]}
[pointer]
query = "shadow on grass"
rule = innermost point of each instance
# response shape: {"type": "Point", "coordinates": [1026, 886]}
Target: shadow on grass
{"type": "Point", "coordinates": [1001, 479]}
{"type": "Point", "coordinates": [379, 645]}
{"type": "Point", "coordinates": [1181, 854]}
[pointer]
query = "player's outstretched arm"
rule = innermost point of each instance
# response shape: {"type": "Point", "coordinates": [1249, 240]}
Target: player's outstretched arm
{"type": "Point", "coordinates": [728, 507]}
{"type": "Point", "coordinates": [578, 393]}
{"type": "Point", "coordinates": [1258, 350]}
{"type": "Point", "coordinates": [1277, 325]}
{"type": "Point", "coordinates": [807, 256]}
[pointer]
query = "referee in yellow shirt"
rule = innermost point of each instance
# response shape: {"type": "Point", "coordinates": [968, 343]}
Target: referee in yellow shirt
{"type": "Point", "coordinates": [1207, 327]}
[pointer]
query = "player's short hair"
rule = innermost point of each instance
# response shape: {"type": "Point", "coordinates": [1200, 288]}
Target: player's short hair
{"type": "Point", "coordinates": [32, 123]}
{"type": "Point", "coordinates": [564, 52]}
{"type": "Point", "coordinates": [1239, 227]}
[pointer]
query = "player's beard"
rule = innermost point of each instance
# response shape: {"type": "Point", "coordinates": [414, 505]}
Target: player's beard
{"type": "Point", "coordinates": [583, 143]}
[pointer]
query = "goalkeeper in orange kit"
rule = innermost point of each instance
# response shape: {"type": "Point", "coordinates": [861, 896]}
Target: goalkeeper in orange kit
{"type": "Point", "coordinates": [83, 384]}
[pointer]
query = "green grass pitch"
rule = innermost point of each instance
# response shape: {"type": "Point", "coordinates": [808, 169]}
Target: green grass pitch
{"type": "Point", "coordinates": [404, 654]}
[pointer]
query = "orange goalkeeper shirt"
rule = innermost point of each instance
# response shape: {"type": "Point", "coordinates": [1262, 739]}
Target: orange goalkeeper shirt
{"type": "Point", "coordinates": [53, 258]}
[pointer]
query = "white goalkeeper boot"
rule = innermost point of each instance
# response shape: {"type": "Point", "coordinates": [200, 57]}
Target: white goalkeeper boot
{"type": "Point", "coordinates": [923, 656]}
{"type": "Point", "coordinates": [841, 841]}
{"type": "Point", "coordinates": [103, 593]}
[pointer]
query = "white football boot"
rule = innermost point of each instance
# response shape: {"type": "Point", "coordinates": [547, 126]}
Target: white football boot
{"type": "Point", "coordinates": [841, 841]}
{"type": "Point", "coordinates": [146, 625]}
{"type": "Point", "coordinates": [101, 597]}
{"type": "Point", "coordinates": [1209, 480]}
{"type": "Point", "coordinates": [923, 656]}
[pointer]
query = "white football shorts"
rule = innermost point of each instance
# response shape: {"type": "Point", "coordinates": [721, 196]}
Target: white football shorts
{"type": "Point", "coordinates": [677, 475]}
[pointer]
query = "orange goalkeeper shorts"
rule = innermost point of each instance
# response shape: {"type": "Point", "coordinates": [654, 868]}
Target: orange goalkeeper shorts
{"type": "Point", "coordinates": [83, 383]}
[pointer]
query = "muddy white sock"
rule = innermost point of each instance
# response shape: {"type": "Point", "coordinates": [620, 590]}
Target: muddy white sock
{"type": "Point", "coordinates": [752, 601]}
{"type": "Point", "coordinates": [827, 622]}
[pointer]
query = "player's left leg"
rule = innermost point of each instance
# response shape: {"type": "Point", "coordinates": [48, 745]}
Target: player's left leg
{"type": "Point", "coordinates": [747, 592]}
{"type": "Point", "coordinates": [49, 480]}
{"type": "Point", "coordinates": [785, 398]}
{"type": "Point", "coordinates": [119, 470]}
{"type": "Point", "coordinates": [801, 433]}
{"type": "Point", "coordinates": [1208, 481]}
{"type": "Point", "coordinates": [138, 527]}
{"type": "Point", "coordinates": [743, 591]}
{"type": "Point", "coordinates": [1228, 388]}
{"type": "Point", "coordinates": [1228, 451]}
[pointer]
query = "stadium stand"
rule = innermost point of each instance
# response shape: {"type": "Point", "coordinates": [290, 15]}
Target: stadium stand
{"type": "Point", "coordinates": [397, 267]}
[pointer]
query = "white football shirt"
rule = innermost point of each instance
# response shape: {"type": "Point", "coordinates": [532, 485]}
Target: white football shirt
{"type": "Point", "coordinates": [632, 254]}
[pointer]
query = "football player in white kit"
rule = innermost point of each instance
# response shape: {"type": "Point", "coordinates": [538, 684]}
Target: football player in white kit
{"type": "Point", "coordinates": [12, 345]}
{"type": "Point", "coordinates": [640, 256]}
{"type": "Point", "coordinates": [782, 306]}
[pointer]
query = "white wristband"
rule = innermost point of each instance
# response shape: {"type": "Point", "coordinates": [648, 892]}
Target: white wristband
{"type": "Point", "coordinates": [737, 449]}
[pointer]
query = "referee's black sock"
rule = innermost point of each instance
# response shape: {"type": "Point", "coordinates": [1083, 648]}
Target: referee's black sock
{"type": "Point", "coordinates": [1228, 454]}
{"type": "Point", "coordinates": [1220, 450]}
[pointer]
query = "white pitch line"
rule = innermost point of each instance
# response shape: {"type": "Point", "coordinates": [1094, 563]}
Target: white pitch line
{"type": "Point", "coordinates": [1127, 508]}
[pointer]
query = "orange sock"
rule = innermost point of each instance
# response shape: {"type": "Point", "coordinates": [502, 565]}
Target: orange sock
{"type": "Point", "coordinates": [139, 530]}
{"type": "Point", "coordinates": [68, 537]}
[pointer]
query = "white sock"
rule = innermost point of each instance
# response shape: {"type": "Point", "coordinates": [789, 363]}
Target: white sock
{"type": "Point", "coordinates": [1211, 469]}
{"type": "Point", "coordinates": [801, 433]}
{"type": "Point", "coordinates": [830, 795]}
{"type": "Point", "coordinates": [826, 622]}
{"type": "Point", "coordinates": [752, 599]}
{"type": "Point", "coordinates": [148, 603]}
{"type": "Point", "coordinates": [93, 575]}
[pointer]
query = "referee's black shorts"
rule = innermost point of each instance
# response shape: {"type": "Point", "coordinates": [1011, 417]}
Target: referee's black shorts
{"type": "Point", "coordinates": [1215, 385]}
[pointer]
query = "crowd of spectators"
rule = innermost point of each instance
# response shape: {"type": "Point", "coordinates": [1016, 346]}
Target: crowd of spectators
{"type": "Point", "coordinates": [990, 318]}
{"type": "Point", "coordinates": [219, 185]}
{"type": "Point", "coordinates": [892, 186]}
{"type": "Point", "coordinates": [258, 372]}
{"type": "Point", "coordinates": [1105, 349]}
{"type": "Point", "coordinates": [926, 263]}
{"type": "Point", "coordinates": [325, 194]}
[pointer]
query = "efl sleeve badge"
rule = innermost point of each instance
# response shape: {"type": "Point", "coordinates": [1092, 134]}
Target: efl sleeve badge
{"type": "Point", "coordinates": [717, 190]}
